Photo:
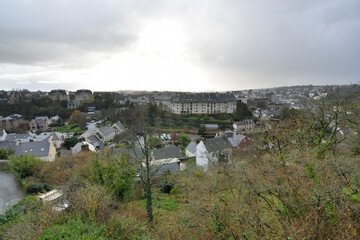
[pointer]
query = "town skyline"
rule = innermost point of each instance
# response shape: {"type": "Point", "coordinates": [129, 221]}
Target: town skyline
{"type": "Point", "coordinates": [204, 91]}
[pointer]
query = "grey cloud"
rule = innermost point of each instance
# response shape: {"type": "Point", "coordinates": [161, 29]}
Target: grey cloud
{"type": "Point", "coordinates": [279, 41]}
{"type": "Point", "coordinates": [38, 32]}
{"type": "Point", "coordinates": [239, 42]}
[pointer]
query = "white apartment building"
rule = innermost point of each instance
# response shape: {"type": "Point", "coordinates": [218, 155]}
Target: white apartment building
{"type": "Point", "coordinates": [203, 103]}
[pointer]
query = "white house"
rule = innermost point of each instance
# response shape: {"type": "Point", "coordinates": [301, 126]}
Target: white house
{"type": "Point", "coordinates": [246, 125]}
{"type": "Point", "coordinates": [83, 146]}
{"type": "Point", "coordinates": [213, 150]}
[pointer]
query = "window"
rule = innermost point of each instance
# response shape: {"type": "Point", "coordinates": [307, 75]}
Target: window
{"type": "Point", "coordinates": [42, 149]}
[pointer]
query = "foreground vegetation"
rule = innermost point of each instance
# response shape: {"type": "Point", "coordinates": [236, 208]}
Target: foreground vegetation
{"type": "Point", "coordinates": [299, 180]}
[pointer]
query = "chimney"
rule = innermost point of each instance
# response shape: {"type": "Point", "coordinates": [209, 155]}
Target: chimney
{"type": "Point", "coordinates": [18, 142]}
{"type": "Point", "coordinates": [85, 147]}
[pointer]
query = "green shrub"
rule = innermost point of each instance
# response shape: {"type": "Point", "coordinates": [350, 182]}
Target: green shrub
{"type": "Point", "coordinates": [165, 183]}
{"type": "Point", "coordinates": [184, 139]}
{"type": "Point", "coordinates": [22, 207]}
{"type": "Point", "coordinates": [70, 142]}
{"type": "Point", "coordinates": [34, 186]}
{"type": "Point", "coordinates": [23, 166]}
{"type": "Point", "coordinates": [116, 174]}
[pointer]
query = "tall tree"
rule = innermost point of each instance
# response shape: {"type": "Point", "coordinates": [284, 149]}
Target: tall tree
{"type": "Point", "coordinates": [78, 118]}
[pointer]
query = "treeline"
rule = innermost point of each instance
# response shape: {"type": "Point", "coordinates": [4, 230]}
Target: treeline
{"type": "Point", "coordinates": [36, 107]}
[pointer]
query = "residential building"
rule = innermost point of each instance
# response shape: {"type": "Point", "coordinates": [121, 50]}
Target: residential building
{"type": "Point", "coordinates": [203, 103]}
{"type": "Point", "coordinates": [118, 127]}
{"type": "Point", "coordinates": [44, 150]}
{"type": "Point", "coordinates": [11, 123]}
{"type": "Point", "coordinates": [162, 159]}
{"type": "Point", "coordinates": [12, 137]}
{"type": "Point", "coordinates": [236, 140]}
{"type": "Point", "coordinates": [191, 149]}
{"type": "Point", "coordinates": [244, 126]}
{"type": "Point", "coordinates": [105, 134]}
{"type": "Point", "coordinates": [39, 124]}
{"type": "Point", "coordinates": [55, 120]}
{"type": "Point", "coordinates": [168, 159]}
{"type": "Point", "coordinates": [163, 100]}
{"type": "Point", "coordinates": [82, 146]}
{"type": "Point", "coordinates": [210, 127]}
{"type": "Point", "coordinates": [58, 95]}
{"type": "Point", "coordinates": [211, 151]}
{"type": "Point", "coordinates": [80, 96]}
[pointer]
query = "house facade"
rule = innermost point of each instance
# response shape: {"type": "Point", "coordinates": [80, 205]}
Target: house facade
{"type": "Point", "coordinates": [39, 124]}
{"type": "Point", "coordinates": [44, 150]}
{"type": "Point", "coordinates": [213, 151]}
{"type": "Point", "coordinates": [163, 100]}
{"type": "Point", "coordinates": [12, 122]}
{"type": "Point", "coordinates": [119, 128]}
{"type": "Point", "coordinates": [80, 96]}
{"type": "Point", "coordinates": [58, 95]}
{"type": "Point", "coordinates": [105, 134]}
{"type": "Point", "coordinates": [244, 126]}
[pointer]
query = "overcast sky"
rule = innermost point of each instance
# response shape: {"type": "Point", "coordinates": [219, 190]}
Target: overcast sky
{"type": "Point", "coordinates": [182, 45]}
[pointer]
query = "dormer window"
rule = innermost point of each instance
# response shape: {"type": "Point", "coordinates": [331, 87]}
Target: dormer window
{"type": "Point", "coordinates": [42, 149]}
{"type": "Point", "coordinates": [31, 150]}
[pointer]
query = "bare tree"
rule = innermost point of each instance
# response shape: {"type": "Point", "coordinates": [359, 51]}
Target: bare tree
{"type": "Point", "coordinates": [142, 136]}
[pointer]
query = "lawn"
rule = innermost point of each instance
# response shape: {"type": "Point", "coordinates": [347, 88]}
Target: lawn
{"type": "Point", "coordinates": [68, 128]}
{"type": "Point", "coordinates": [162, 202]}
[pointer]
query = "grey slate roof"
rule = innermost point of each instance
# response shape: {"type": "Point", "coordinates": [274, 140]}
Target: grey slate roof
{"type": "Point", "coordinates": [159, 154]}
{"type": "Point", "coordinates": [119, 125]}
{"type": "Point", "coordinates": [41, 119]}
{"type": "Point", "coordinates": [137, 154]}
{"type": "Point", "coordinates": [96, 142]}
{"type": "Point", "coordinates": [236, 139]}
{"type": "Point", "coordinates": [191, 147]}
{"type": "Point", "coordinates": [8, 145]}
{"type": "Point", "coordinates": [37, 149]}
{"type": "Point", "coordinates": [56, 136]}
{"type": "Point", "coordinates": [14, 136]}
{"type": "Point", "coordinates": [217, 144]}
{"type": "Point", "coordinates": [162, 96]}
{"type": "Point", "coordinates": [172, 167]}
{"type": "Point", "coordinates": [106, 130]}
{"type": "Point", "coordinates": [203, 97]}
{"type": "Point", "coordinates": [211, 126]}
{"type": "Point", "coordinates": [170, 152]}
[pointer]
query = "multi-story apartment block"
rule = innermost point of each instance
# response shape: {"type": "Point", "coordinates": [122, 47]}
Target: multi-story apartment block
{"type": "Point", "coordinates": [203, 103]}
{"type": "Point", "coordinates": [83, 95]}
{"type": "Point", "coordinates": [58, 95]}
{"type": "Point", "coordinates": [163, 100]}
